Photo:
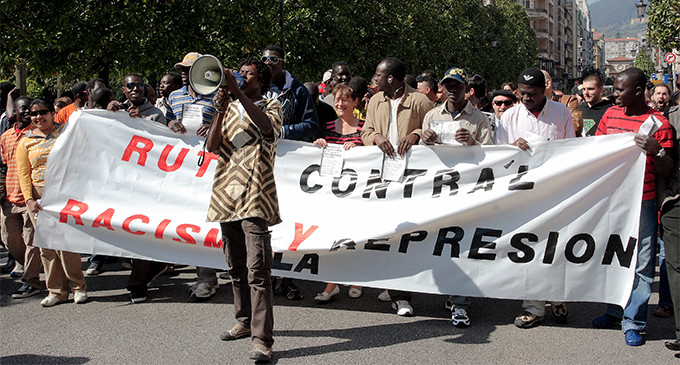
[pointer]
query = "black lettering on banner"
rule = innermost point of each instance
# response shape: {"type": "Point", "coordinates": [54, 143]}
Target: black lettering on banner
{"type": "Point", "coordinates": [347, 243]}
{"type": "Point", "coordinates": [352, 183]}
{"type": "Point", "coordinates": [528, 252]}
{"type": "Point", "coordinates": [615, 247]}
{"type": "Point", "coordinates": [304, 179]}
{"type": "Point", "coordinates": [374, 181]}
{"type": "Point", "coordinates": [410, 175]}
{"type": "Point", "coordinates": [309, 261]}
{"type": "Point", "coordinates": [448, 177]}
{"type": "Point", "coordinates": [278, 263]}
{"type": "Point", "coordinates": [549, 256]}
{"type": "Point", "coordinates": [571, 245]}
{"type": "Point", "coordinates": [478, 243]}
{"type": "Point", "coordinates": [372, 245]}
{"type": "Point", "coordinates": [525, 185]}
{"type": "Point", "coordinates": [485, 181]}
{"type": "Point", "coordinates": [444, 239]}
{"type": "Point", "coordinates": [416, 236]}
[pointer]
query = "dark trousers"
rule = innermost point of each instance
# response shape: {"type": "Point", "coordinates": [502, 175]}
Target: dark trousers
{"type": "Point", "coordinates": [670, 220]}
{"type": "Point", "coordinates": [247, 246]}
{"type": "Point", "coordinates": [142, 273]}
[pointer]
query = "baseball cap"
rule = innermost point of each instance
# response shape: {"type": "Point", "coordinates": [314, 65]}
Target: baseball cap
{"type": "Point", "coordinates": [455, 73]}
{"type": "Point", "coordinates": [79, 87]}
{"type": "Point", "coordinates": [188, 60]}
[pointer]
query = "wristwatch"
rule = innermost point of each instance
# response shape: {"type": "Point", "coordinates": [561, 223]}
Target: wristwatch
{"type": "Point", "coordinates": [662, 153]}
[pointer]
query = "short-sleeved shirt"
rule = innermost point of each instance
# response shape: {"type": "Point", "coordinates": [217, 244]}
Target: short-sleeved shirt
{"type": "Point", "coordinates": [331, 136]}
{"type": "Point", "coordinates": [470, 118]}
{"type": "Point", "coordinates": [8, 147]}
{"type": "Point", "coordinates": [616, 121]}
{"type": "Point", "coordinates": [181, 97]}
{"type": "Point", "coordinates": [244, 185]}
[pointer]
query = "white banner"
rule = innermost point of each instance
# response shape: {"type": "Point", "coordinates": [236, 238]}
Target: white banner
{"type": "Point", "coordinates": [559, 223]}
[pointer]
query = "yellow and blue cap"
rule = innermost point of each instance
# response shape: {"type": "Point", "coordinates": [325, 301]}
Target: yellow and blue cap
{"type": "Point", "coordinates": [457, 74]}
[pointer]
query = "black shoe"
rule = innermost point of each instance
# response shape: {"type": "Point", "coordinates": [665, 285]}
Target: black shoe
{"type": "Point", "coordinates": [9, 266]}
{"type": "Point", "coordinates": [25, 291]}
{"type": "Point", "coordinates": [560, 313]}
{"type": "Point", "coordinates": [138, 296]}
{"type": "Point", "coordinates": [673, 345]}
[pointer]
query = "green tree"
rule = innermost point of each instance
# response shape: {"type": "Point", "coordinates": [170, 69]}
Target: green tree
{"type": "Point", "coordinates": [644, 62]}
{"type": "Point", "coordinates": [664, 23]}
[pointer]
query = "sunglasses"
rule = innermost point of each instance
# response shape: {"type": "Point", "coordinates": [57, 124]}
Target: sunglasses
{"type": "Point", "coordinates": [273, 59]}
{"type": "Point", "coordinates": [132, 85]}
{"type": "Point", "coordinates": [41, 112]}
{"type": "Point", "coordinates": [503, 102]}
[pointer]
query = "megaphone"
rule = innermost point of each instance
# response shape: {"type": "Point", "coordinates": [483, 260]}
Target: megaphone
{"type": "Point", "coordinates": [206, 75]}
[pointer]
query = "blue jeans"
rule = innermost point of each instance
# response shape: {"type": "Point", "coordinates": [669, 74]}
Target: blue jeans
{"type": "Point", "coordinates": [634, 316]}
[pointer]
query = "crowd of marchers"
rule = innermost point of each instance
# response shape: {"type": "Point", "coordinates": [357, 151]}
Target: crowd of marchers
{"type": "Point", "coordinates": [393, 111]}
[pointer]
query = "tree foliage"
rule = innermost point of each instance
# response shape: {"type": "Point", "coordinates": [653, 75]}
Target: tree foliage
{"type": "Point", "coordinates": [664, 23]}
{"type": "Point", "coordinates": [644, 62]}
{"type": "Point", "coordinates": [82, 39]}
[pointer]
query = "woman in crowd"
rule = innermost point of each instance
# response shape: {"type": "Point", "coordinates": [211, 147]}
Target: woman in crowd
{"type": "Point", "coordinates": [63, 271]}
{"type": "Point", "coordinates": [345, 130]}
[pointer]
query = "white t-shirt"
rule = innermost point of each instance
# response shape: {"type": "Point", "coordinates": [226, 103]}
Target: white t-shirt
{"type": "Point", "coordinates": [393, 131]}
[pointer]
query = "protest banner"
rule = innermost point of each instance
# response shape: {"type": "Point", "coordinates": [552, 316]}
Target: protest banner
{"type": "Point", "coordinates": [557, 223]}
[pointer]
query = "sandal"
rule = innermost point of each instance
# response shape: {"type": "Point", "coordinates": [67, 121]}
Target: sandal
{"type": "Point", "coordinates": [292, 292]}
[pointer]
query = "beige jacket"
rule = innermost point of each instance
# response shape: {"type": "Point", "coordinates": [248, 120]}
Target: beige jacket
{"type": "Point", "coordinates": [410, 114]}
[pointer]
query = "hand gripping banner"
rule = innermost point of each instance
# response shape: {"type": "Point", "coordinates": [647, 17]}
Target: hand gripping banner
{"type": "Point", "coordinates": [557, 223]}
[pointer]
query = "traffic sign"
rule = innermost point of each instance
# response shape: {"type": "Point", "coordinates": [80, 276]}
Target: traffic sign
{"type": "Point", "coordinates": [669, 57]}
{"type": "Point", "coordinates": [653, 77]}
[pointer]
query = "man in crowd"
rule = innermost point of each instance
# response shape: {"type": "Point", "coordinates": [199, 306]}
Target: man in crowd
{"type": "Point", "coordinates": [550, 120]}
{"type": "Point", "coordinates": [570, 101]}
{"type": "Point", "coordinates": [189, 111]}
{"type": "Point", "coordinates": [300, 121]}
{"type": "Point", "coordinates": [501, 100]}
{"type": "Point", "coordinates": [324, 111]}
{"type": "Point", "coordinates": [92, 86]}
{"type": "Point", "coordinates": [17, 228]}
{"type": "Point", "coordinates": [427, 85]}
{"type": "Point", "coordinates": [136, 104]}
{"type": "Point", "coordinates": [394, 119]}
{"type": "Point", "coordinates": [476, 90]}
{"type": "Point", "coordinates": [594, 106]}
{"type": "Point", "coordinates": [80, 97]}
{"type": "Point", "coordinates": [341, 75]}
{"type": "Point", "coordinates": [475, 128]}
{"type": "Point", "coordinates": [630, 112]}
{"type": "Point", "coordinates": [169, 83]}
{"type": "Point", "coordinates": [661, 97]}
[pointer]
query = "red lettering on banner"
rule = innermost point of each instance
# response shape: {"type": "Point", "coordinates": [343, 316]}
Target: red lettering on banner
{"type": "Point", "coordinates": [163, 162]}
{"type": "Point", "coordinates": [161, 228]}
{"type": "Point", "coordinates": [75, 209]}
{"type": "Point", "coordinates": [211, 239]}
{"type": "Point", "coordinates": [183, 234]}
{"type": "Point", "coordinates": [134, 146]}
{"type": "Point", "coordinates": [208, 158]}
{"type": "Point", "coordinates": [128, 220]}
{"type": "Point", "coordinates": [104, 219]}
{"type": "Point", "coordinates": [299, 236]}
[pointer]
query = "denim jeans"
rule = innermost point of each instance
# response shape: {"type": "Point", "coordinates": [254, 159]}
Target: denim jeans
{"type": "Point", "coordinates": [634, 316]}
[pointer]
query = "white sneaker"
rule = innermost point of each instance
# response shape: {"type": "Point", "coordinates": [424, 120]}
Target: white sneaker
{"type": "Point", "coordinates": [204, 290]}
{"type": "Point", "coordinates": [403, 308]}
{"type": "Point", "coordinates": [51, 300]}
{"type": "Point", "coordinates": [80, 297]}
{"type": "Point", "coordinates": [459, 317]}
{"type": "Point", "coordinates": [384, 296]}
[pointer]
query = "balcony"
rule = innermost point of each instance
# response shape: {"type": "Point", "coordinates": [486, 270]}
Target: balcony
{"type": "Point", "coordinates": [541, 32]}
{"type": "Point", "coordinates": [537, 12]}
{"type": "Point", "coordinates": [543, 52]}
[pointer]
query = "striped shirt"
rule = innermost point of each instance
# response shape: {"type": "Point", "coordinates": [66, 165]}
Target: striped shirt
{"type": "Point", "coordinates": [331, 136]}
{"type": "Point", "coordinates": [615, 121]}
{"type": "Point", "coordinates": [8, 147]}
{"type": "Point", "coordinates": [180, 97]}
{"type": "Point", "coordinates": [32, 152]}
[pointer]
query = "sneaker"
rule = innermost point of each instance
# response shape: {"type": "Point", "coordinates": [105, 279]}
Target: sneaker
{"type": "Point", "coordinates": [9, 266]}
{"type": "Point", "coordinates": [51, 300]}
{"type": "Point", "coordinates": [459, 317]}
{"type": "Point", "coordinates": [138, 296]}
{"type": "Point", "coordinates": [606, 321]}
{"type": "Point", "coordinates": [236, 332]}
{"type": "Point", "coordinates": [384, 296]}
{"type": "Point", "coordinates": [449, 303]}
{"type": "Point", "coordinates": [80, 297]}
{"type": "Point", "coordinates": [261, 353]}
{"type": "Point", "coordinates": [25, 291]}
{"type": "Point", "coordinates": [94, 269]}
{"type": "Point", "coordinates": [673, 345]}
{"type": "Point", "coordinates": [633, 338]}
{"type": "Point", "coordinates": [527, 320]}
{"type": "Point", "coordinates": [403, 308]}
{"type": "Point", "coordinates": [559, 312]}
{"type": "Point", "coordinates": [202, 291]}
{"type": "Point", "coordinates": [18, 271]}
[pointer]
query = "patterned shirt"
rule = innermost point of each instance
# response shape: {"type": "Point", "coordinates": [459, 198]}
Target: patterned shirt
{"type": "Point", "coordinates": [615, 121]}
{"type": "Point", "coordinates": [180, 97]}
{"type": "Point", "coordinates": [32, 152]}
{"type": "Point", "coordinates": [8, 147]}
{"type": "Point", "coordinates": [331, 136]}
{"type": "Point", "coordinates": [244, 185]}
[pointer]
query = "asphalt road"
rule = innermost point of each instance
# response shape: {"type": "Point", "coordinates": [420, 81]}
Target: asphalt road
{"type": "Point", "coordinates": [170, 329]}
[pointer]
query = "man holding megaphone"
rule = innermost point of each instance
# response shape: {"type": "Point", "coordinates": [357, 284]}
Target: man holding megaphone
{"type": "Point", "coordinates": [244, 201]}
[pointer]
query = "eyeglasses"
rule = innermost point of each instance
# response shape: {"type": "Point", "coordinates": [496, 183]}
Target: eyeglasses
{"type": "Point", "coordinates": [503, 102]}
{"type": "Point", "coordinates": [273, 59]}
{"type": "Point", "coordinates": [35, 113]}
{"type": "Point", "coordinates": [132, 85]}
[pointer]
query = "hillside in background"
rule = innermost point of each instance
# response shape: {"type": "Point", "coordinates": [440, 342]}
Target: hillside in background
{"type": "Point", "coordinates": [612, 18]}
